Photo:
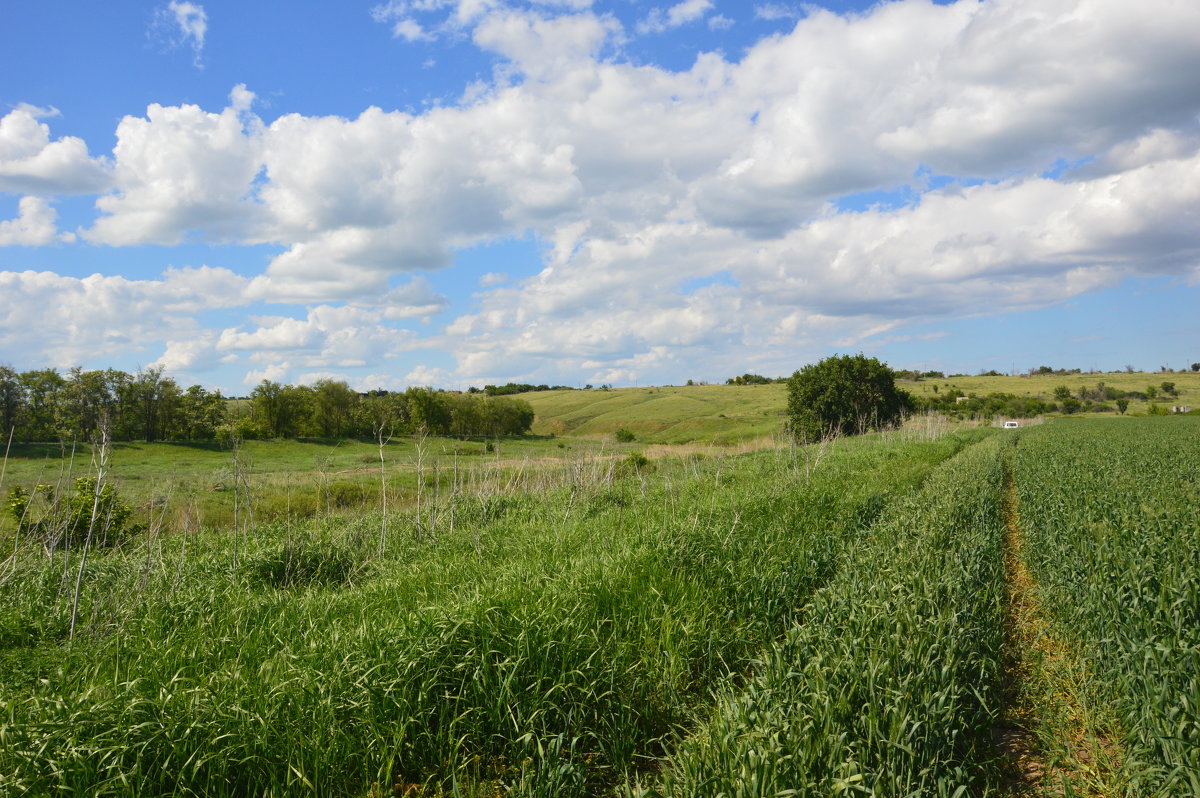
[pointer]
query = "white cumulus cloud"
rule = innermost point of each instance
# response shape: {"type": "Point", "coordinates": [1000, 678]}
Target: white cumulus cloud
{"type": "Point", "coordinates": [30, 163]}
{"type": "Point", "coordinates": [679, 14]}
{"type": "Point", "coordinates": [34, 225]}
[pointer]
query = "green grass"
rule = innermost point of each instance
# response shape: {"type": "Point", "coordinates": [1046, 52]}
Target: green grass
{"type": "Point", "coordinates": [1112, 514]}
{"type": "Point", "coordinates": [889, 684]}
{"type": "Point", "coordinates": [298, 478]}
{"type": "Point", "coordinates": [577, 621]}
{"type": "Point", "coordinates": [715, 413]}
{"type": "Point", "coordinates": [1043, 385]}
{"type": "Point", "coordinates": [550, 643]}
{"type": "Point", "coordinates": [731, 413]}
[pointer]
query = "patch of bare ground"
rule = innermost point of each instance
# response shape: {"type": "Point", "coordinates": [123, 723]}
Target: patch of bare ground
{"type": "Point", "coordinates": [1048, 740]}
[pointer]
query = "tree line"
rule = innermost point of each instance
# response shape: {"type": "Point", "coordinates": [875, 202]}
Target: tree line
{"type": "Point", "coordinates": [45, 405]}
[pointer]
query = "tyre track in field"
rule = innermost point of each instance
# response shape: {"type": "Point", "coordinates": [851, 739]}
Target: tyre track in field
{"type": "Point", "coordinates": [1042, 688]}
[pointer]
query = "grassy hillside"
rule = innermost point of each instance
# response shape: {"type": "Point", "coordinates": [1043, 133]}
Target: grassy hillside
{"type": "Point", "coordinates": [1043, 385]}
{"type": "Point", "coordinates": [718, 413]}
{"type": "Point", "coordinates": [730, 413]}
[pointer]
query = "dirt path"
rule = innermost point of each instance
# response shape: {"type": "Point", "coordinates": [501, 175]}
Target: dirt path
{"type": "Point", "coordinates": [1043, 691]}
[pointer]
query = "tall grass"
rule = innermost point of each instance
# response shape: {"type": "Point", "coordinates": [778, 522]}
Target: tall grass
{"type": "Point", "coordinates": [571, 624]}
{"type": "Point", "coordinates": [888, 684]}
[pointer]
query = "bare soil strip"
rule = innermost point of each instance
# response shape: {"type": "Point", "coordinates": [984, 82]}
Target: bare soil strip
{"type": "Point", "coordinates": [1043, 687]}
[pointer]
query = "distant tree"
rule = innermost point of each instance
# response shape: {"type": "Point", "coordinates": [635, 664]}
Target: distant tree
{"type": "Point", "coordinates": [1196, 367]}
{"type": "Point", "coordinates": [846, 394]}
{"type": "Point", "coordinates": [12, 400]}
{"type": "Point", "coordinates": [1168, 389]}
{"type": "Point", "coordinates": [1062, 392]}
{"type": "Point", "coordinates": [1151, 392]}
{"type": "Point", "coordinates": [280, 410]}
{"type": "Point", "coordinates": [1122, 405]}
{"type": "Point", "coordinates": [44, 391]}
{"type": "Point", "coordinates": [748, 379]}
{"type": "Point", "coordinates": [201, 412]}
{"type": "Point", "coordinates": [332, 405]}
{"type": "Point", "coordinates": [623, 435]}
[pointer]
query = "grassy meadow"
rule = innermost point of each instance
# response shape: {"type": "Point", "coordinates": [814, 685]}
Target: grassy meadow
{"type": "Point", "coordinates": [938, 610]}
{"type": "Point", "coordinates": [726, 414]}
{"type": "Point", "coordinates": [721, 414]}
{"type": "Point", "coordinates": [1187, 384]}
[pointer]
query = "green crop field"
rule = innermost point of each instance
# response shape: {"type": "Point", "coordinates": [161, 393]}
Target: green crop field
{"type": "Point", "coordinates": [565, 617]}
{"type": "Point", "coordinates": [1187, 385]}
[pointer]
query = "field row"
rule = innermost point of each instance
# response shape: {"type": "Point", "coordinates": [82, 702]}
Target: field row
{"type": "Point", "coordinates": [819, 621]}
{"type": "Point", "coordinates": [550, 645]}
{"type": "Point", "coordinates": [1112, 518]}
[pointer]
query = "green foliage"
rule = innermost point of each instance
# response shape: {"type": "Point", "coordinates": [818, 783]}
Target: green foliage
{"type": "Point", "coordinates": [624, 435]}
{"type": "Point", "coordinates": [890, 683]}
{"type": "Point", "coordinates": [548, 645]}
{"type": "Point", "coordinates": [749, 379]}
{"type": "Point", "coordinates": [844, 394]}
{"type": "Point", "coordinates": [519, 387]}
{"type": "Point", "coordinates": [1122, 405]}
{"type": "Point", "coordinates": [67, 520]}
{"type": "Point", "coordinates": [1113, 528]}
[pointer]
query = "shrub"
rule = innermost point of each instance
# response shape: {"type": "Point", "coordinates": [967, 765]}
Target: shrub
{"type": "Point", "coordinates": [844, 394]}
{"type": "Point", "coordinates": [624, 435]}
{"type": "Point", "coordinates": [65, 521]}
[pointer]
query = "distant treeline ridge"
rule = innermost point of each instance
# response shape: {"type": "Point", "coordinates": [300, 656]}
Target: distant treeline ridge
{"type": "Point", "coordinates": [44, 405]}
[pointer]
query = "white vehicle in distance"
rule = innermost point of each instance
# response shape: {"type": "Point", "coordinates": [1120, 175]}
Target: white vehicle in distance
{"type": "Point", "coordinates": [1012, 424]}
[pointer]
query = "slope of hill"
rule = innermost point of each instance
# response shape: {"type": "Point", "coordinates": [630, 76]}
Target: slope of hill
{"type": "Point", "coordinates": [731, 413]}
{"type": "Point", "coordinates": [670, 414]}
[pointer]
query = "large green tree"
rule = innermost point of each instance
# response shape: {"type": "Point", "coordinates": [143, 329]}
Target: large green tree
{"type": "Point", "coordinates": [843, 394]}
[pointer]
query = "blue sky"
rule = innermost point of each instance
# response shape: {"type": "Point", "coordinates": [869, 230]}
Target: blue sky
{"type": "Point", "coordinates": [454, 192]}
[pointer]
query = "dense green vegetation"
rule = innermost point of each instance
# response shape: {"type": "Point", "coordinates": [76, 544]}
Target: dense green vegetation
{"type": "Point", "coordinates": [548, 638]}
{"type": "Point", "coordinates": [889, 685]}
{"type": "Point", "coordinates": [43, 405]}
{"type": "Point", "coordinates": [557, 617]}
{"type": "Point", "coordinates": [1112, 514]}
{"type": "Point", "coordinates": [844, 395]}
{"type": "Point", "coordinates": [720, 414]}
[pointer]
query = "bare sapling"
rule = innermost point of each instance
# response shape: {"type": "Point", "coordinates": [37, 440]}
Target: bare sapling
{"type": "Point", "coordinates": [383, 436]}
{"type": "Point", "coordinates": [435, 506]}
{"type": "Point", "coordinates": [454, 492]}
{"type": "Point", "coordinates": [101, 473]}
{"type": "Point", "coordinates": [420, 438]}
{"type": "Point", "coordinates": [326, 493]}
{"type": "Point", "coordinates": [63, 488]}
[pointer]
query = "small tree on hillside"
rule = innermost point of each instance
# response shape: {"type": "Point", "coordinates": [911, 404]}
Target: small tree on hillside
{"type": "Point", "coordinates": [844, 394]}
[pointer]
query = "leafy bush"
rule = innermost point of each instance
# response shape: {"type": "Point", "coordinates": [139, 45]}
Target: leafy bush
{"type": "Point", "coordinates": [844, 394]}
{"type": "Point", "coordinates": [624, 435]}
{"type": "Point", "coordinates": [62, 521]}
